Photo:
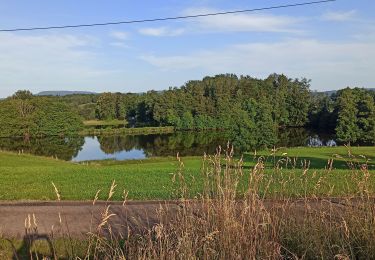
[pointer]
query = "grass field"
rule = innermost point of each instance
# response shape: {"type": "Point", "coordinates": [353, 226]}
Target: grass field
{"type": "Point", "coordinates": [287, 173]}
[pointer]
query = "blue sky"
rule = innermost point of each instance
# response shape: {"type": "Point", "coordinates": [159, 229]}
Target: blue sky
{"type": "Point", "coordinates": [332, 44]}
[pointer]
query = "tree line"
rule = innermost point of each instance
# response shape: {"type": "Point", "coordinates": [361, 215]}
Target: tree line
{"type": "Point", "coordinates": [250, 109]}
{"type": "Point", "coordinates": [350, 113]}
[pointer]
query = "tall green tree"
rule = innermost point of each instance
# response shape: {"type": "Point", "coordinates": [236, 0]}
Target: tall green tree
{"type": "Point", "coordinates": [347, 129]}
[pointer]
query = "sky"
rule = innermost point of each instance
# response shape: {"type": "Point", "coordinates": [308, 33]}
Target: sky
{"type": "Point", "coordinates": [333, 44]}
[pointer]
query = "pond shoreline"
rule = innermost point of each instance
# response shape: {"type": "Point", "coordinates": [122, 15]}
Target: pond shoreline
{"type": "Point", "coordinates": [128, 131]}
{"type": "Point", "coordinates": [139, 143]}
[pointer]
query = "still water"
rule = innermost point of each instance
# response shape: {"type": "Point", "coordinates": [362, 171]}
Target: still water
{"type": "Point", "coordinates": [125, 147]}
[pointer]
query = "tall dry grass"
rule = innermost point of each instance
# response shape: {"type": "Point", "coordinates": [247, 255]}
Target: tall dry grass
{"type": "Point", "coordinates": [223, 223]}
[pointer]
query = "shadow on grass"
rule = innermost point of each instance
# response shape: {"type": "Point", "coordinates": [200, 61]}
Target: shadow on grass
{"type": "Point", "coordinates": [25, 251]}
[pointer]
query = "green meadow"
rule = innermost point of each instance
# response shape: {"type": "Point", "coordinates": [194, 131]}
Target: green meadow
{"type": "Point", "coordinates": [287, 172]}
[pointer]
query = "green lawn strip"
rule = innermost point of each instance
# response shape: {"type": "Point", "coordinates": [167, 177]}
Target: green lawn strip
{"type": "Point", "coordinates": [27, 177]}
{"type": "Point", "coordinates": [317, 156]}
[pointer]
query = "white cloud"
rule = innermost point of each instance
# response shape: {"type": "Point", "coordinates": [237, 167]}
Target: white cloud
{"type": "Point", "coordinates": [329, 64]}
{"type": "Point", "coordinates": [339, 16]}
{"type": "Point", "coordinates": [119, 35]}
{"type": "Point", "coordinates": [47, 62]}
{"type": "Point", "coordinates": [228, 23]}
{"type": "Point", "coordinates": [161, 31]}
{"type": "Point", "coordinates": [120, 44]}
{"type": "Point", "coordinates": [243, 22]}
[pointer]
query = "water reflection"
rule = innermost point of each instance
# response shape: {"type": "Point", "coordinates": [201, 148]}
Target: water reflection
{"type": "Point", "coordinates": [185, 143]}
{"type": "Point", "coordinates": [316, 141]}
{"type": "Point", "coordinates": [94, 150]}
{"type": "Point", "coordinates": [142, 146]}
{"type": "Point", "coordinates": [62, 148]}
{"type": "Point", "coordinates": [293, 137]}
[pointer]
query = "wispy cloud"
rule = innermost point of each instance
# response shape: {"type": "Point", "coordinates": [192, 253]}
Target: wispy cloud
{"type": "Point", "coordinates": [161, 31]}
{"type": "Point", "coordinates": [119, 35]}
{"type": "Point", "coordinates": [227, 23]}
{"type": "Point", "coordinates": [329, 64]}
{"type": "Point", "coordinates": [339, 16]}
{"type": "Point", "coordinates": [120, 45]}
{"type": "Point", "coordinates": [243, 22]}
{"type": "Point", "coordinates": [47, 62]}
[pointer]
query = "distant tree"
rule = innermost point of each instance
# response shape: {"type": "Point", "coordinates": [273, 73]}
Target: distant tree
{"type": "Point", "coordinates": [187, 120]}
{"type": "Point", "coordinates": [22, 94]}
{"type": "Point", "coordinates": [26, 115]}
{"type": "Point", "coordinates": [322, 114]}
{"type": "Point", "coordinates": [173, 119]}
{"type": "Point", "coordinates": [106, 106]}
{"type": "Point", "coordinates": [56, 118]}
{"type": "Point", "coordinates": [265, 133]}
{"type": "Point", "coordinates": [87, 111]}
{"type": "Point", "coordinates": [260, 113]}
{"type": "Point", "coordinates": [366, 115]}
{"type": "Point", "coordinates": [297, 102]}
{"type": "Point", "coordinates": [347, 129]}
{"type": "Point", "coordinates": [242, 130]}
{"type": "Point", "coordinates": [202, 122]}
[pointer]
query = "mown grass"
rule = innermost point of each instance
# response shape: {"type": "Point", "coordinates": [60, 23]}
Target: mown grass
{"type": "Point", "coordinates": [289, 172]}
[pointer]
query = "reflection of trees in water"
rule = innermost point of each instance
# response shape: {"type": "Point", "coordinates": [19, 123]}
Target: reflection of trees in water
{"type": "Point", "coordinates": [185, 143]}
{"type": "Point", "coordinates": [112, 144]}
{"type": "Point", "coordinates": [292, 137]}
{"type": "Point", "coordinates": [193, 143]}
{"type": "Point", "coordinates": [61, 147]}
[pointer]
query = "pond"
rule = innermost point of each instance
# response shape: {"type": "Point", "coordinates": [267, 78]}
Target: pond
{"type": "Point", "coordinates": [126, 147]}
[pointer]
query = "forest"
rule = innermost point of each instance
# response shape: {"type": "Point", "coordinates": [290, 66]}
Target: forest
{"type": "Point", "coordinates": [250, 109]}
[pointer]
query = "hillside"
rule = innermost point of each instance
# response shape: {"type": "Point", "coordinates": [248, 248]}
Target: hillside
{"type": "Point", "coordinates": [64, 93]}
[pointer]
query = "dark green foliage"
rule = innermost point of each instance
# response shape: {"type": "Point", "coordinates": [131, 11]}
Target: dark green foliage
{"type": "Point", "coordinates": [110, 106]}
{"type": "Point", "coordinates": [25, 115]}
{"type": "Point", "coordinates": [56, 118]}
{"type": "Point", "coordinates": [266, 135]}
{"type": "Point", "coordinates": [87, 111]}
{"type": "Point", "coordinates": [187, 120]}
{"type": "Point", "coordinates": [356, 116]}
{"type": "Point", "coordinates": [348, 112]}
{"type": "Point", "coordinates": [242, 130]}
{"type": "Point", "coordinates": [84, 104]}
{"type": "Point", "coordinates": [322, 112]}
{"type": "Point", "coordinates": [223, 102]}
{"type": "Point", "coordinates": [261, 130]}
{"type": "Point", "coordinates": [202, 122]}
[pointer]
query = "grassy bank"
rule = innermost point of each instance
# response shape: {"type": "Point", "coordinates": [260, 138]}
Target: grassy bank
{"type": "Point", "coordinates": [288, 172]}
{"type": "Point", "coordinates": [114, 122]}
{"type": "Point", "coordinates": [128, 131]}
